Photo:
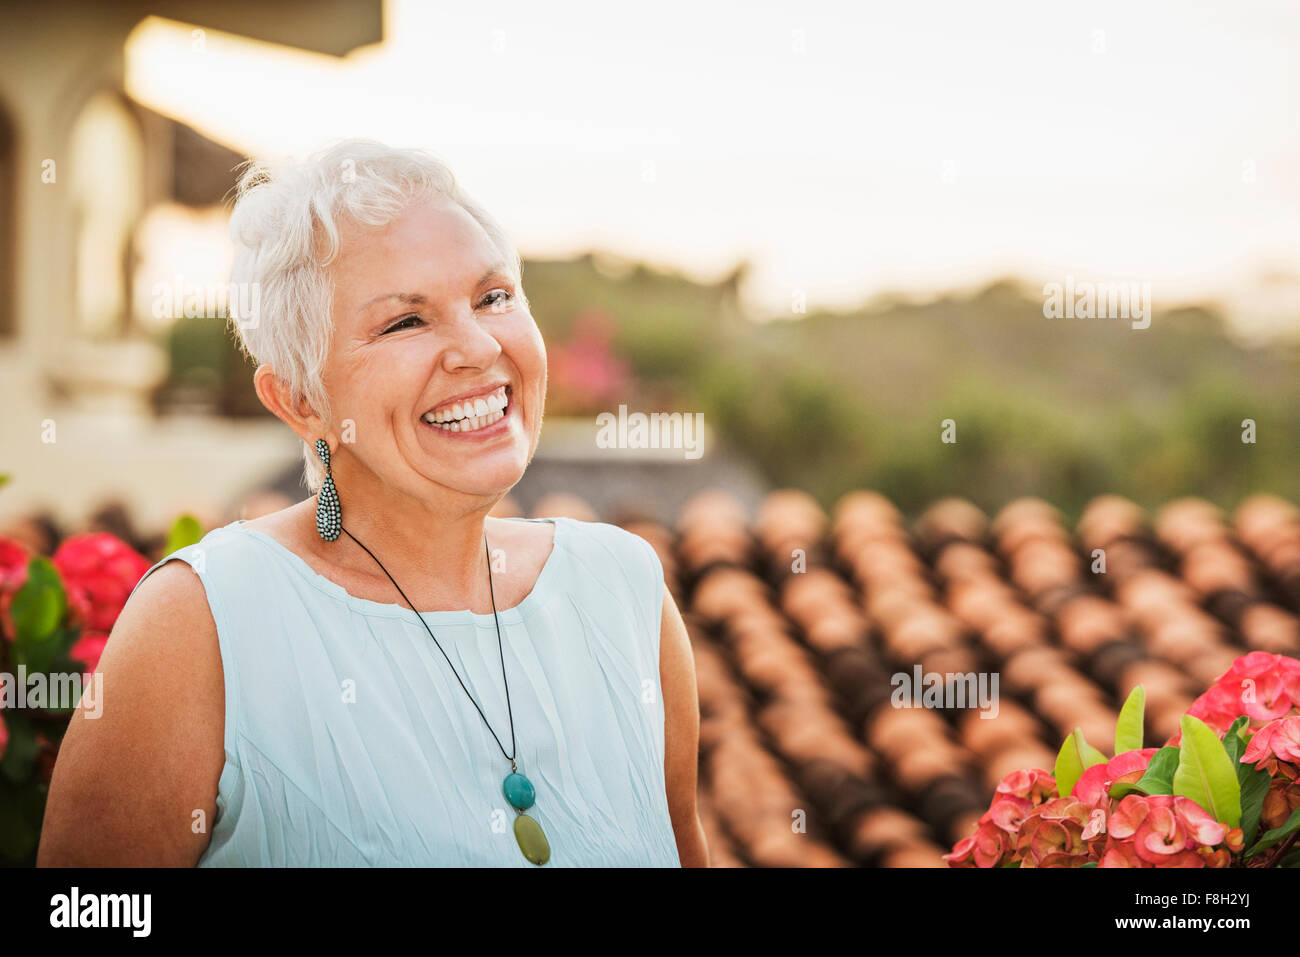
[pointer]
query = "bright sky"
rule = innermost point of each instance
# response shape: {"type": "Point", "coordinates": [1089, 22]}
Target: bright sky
{"type": "Point", "coordinates": [845, 148]}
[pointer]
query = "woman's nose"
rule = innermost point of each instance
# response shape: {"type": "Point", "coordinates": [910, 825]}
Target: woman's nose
{"type": "Point", "coordinates": [471, 345]}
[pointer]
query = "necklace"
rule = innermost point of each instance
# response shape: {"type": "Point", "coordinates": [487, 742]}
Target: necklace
{"type": "Point", "coordinates": [516, 787]}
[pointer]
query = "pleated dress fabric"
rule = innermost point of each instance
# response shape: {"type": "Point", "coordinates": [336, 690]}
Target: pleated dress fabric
{"type": "Point", "coordinates": [349, 742]}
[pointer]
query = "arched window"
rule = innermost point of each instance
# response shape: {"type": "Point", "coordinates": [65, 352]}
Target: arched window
{"type": "Point", "coordinates": [107, 157]}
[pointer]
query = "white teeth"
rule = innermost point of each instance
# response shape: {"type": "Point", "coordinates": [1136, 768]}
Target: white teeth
{"type": "Point", "coordinates": [470, 424]}
{"type": "Point", "coordinates": [469, 409]}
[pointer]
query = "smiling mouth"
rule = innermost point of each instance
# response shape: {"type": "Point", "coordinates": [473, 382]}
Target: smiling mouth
{"type": "Point", "coordinates": [471, 415]}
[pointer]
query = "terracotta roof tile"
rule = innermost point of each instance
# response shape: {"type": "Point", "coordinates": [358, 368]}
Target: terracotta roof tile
{"type": "Point", "coordinates": [804, 625]}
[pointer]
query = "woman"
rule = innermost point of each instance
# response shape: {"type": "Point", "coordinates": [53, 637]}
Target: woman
{"type": "Point", "coordinates": [271, 696]}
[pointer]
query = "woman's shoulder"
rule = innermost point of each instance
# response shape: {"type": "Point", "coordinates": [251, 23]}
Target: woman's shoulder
{"type": "Point", "coordinates": [224, 578]}
{"type": "Point", "coordinates": [617, 561]}
{"type": "Point", "coordinates": [603, 540]}
{"type": "Point", "coordinates": [212, 550]}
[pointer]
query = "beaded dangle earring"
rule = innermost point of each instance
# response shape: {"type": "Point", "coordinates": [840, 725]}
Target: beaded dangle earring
{"type": "Point", "coordinates": [329, 514]}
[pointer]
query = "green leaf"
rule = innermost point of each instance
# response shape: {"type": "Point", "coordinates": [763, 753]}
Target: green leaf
{"type": "Point", "coordinates": [5, 479]}
{"type": "Point", "coordinates": [1089, 864]}
{"type": "Point", "coordinates": [1075, 757]}
{"type": "Point", "coordinates": [1205, 772]}
{"type": "Point", "coordinates": [1121, 788]}
{"type": "Point", "coordinates": [186, 530]}
{"type": "Point", "coordinates": [1234, 739]}
{"type": "Point", "coordinates": [1158, 779]}
{"type": "Point", "coordinates": [39, 605]}
{"type": "Point", "coordinates": [1254, 782]}
{"type": "Point", "coordinates": [38, 609]}
{"type": "Point", "coordinates": [1253, 792]}
{"type": "Point", "coordinates": [1128, 729]}
{"type": "Point", "coordinates": [1277, 834]}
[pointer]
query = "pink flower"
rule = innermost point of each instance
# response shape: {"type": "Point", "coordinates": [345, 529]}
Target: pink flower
{"type": "Point", "coordinates": [1266, 686]}
{"type": "Point", "coordinates": [1052, 835]}
{"type": "Point", "coordinates": [1219, 706]}
{"type": "Point", "coordinates": [1093, 788]}
{"type": "Point", "coordinates": [1164, 830]}
{"type": "Point", "coordinates": [994, 840]}
{"type": "Point", "coordinates": [1260, 685]}
{"type": "Point", "coordinates": [963, 852]}
{"type": "Point", "coordinates": [98, 571]}
{"type": "Point", "coordinates": [584, 373]}
{"type": "Point", "coordinates": [1121, 854]}
{"type": "Point", "coordinates": [1276, 741]}
{"type": "Point", "coordinates": [1033, 785]}
{"type": "Point", "coordinates": [89, 648]}
{"type": "Point", "coordinates": [14, 558]}
{"type": "Point", "coordinates": [1030, 824]}
{"type": "Point", "coordinates": [1198, 823]}
{"type": "Point", "coordinates": [13, 563]}
{"type": "Point", "coordinates": [1007, 812]}
{"type": "Point", "coordinates": [989, 846]}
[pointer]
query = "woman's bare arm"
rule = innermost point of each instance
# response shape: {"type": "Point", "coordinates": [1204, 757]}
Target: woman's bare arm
{"type": "Point", "coordinates": [681, 734]}
{"type": "Point", "coordinates": [128, 785]}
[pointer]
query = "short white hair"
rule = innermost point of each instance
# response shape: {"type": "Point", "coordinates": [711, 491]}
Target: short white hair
{"type": "Point", "coordinates": [285, 227]}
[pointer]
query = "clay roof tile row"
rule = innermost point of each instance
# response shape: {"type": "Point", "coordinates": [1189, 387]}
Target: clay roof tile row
{"type": "Point", "coordinates": [804, 625]}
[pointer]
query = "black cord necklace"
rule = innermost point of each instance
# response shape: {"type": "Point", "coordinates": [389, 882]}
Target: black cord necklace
{"type": "Point", "coordinates": [516, 787]}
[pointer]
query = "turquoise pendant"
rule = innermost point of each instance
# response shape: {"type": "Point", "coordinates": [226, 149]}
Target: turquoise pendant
{"type": "Point", "coordinates": [521, 794]}
{"type": "Point", "coordinates": [519, 791]}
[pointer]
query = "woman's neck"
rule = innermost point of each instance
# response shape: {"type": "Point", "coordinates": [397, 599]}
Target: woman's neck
{"type": "Point", "coordinates": [434, 548]}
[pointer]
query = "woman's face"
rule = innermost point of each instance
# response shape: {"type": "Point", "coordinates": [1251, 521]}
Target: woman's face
{"type": "Point", "coordinates": [435, 357]}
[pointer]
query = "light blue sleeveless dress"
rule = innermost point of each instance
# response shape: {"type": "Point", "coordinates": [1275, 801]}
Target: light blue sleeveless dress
{"type": "Point", "coordinates": [349, 742]}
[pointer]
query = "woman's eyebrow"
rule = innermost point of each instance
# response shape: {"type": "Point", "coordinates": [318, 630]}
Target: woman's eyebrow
{"type": "Point", "coordinates": [496, 269]}
{"type": "Point", "coordinates": [416, 299]}
{"type": "Point", "coordinates": [408, 298]}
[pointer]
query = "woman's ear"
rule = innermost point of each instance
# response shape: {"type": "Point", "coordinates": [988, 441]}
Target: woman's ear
{"type": "Point", "coordinates": [275, 394]}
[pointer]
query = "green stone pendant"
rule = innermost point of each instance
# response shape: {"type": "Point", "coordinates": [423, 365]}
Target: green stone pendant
{"type": "Point", "coordinates": [532, 840]}
{"type": "Point", "coordinates": [521, 794]}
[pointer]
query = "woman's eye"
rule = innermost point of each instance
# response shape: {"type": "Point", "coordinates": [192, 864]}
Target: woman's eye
{"type": "Point", "coordinates": [402, 324]}
{"type": "Point", "coordinates": [489, 301]}
{"type": "Point", "coordinates": [497, 299]}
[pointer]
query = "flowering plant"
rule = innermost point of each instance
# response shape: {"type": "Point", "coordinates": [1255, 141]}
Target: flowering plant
{"type": "Point", "coordinates": [55, 617]}
{"type": "Point", "coordinates": [586, 374]}
{"type": "Point", "coordinates": [1222, 792]}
